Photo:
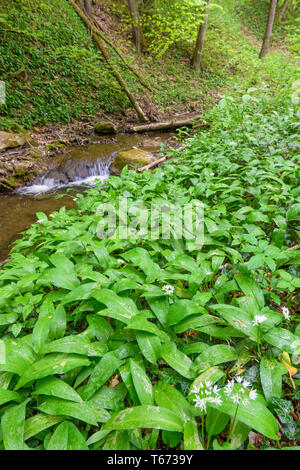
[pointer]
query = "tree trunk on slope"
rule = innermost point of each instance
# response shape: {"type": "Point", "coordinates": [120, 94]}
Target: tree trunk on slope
{"type": "Point", "coordinates": [101, 45]}
{"type": "Point", "coordinates": [197, 57]}
{"type": "Point", "coordinates": [283, 10]}
{"type": "Point", "coordinates": [88, 8]}
{"type": "Point", "coordinates": [136, 27]}
{"type": "Point", "coordinates": [269, 29]}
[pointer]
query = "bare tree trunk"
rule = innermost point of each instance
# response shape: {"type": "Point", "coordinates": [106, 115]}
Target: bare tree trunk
{"type": "Point", "coordinates": [136, 27]}
{"type": "Point", "coordinates": [88, 8]}
{"type": "Point", "coordinates": [284, 10]}
{"type": "Point", "coordinates": [197, 57]}
{"type": "Point", "coordinates": [101, 45]}
{"type": "Point", "coordinates": [269, 29]}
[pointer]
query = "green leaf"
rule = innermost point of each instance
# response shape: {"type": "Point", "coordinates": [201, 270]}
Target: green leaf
{"type": "Point", "coordinates": [105, 368]}
{"type": "Point", "coordinates": [140, 323]}
{"type": "Point", "coordinates": [191, 436]}
{"type": "Point", "coordinates": [82, 411]}
{"type": "Point", "coordinates": [214, 355]}
{"type": "Point", "coordinates": [238, 318]}
{"type": "Point", "coordinates": [13, 423]}
{"type": "Point", "coordinates": [8, 395]}
{"type": "Point", "coordinates": [50, 365]}
{"type": "Point", "coordinates": [121, 308]}
{"type": "Point", "coordinates": [216, 421]}
{"type": "Point", "coordinates": [167, 396]}
{"type": "Point", "coordinates": [253, 413]}
{"type": "Point", "coordinates": [55, 387]}
{"type": "Point", "coordinates": [283, 339]}
{"type": "Point", "coordinates": [149, 345]}
{"type": "Point", "coordinates": [38, 423]}
{"type": "Point", "coordinates": [177, 360]}
{"type": "Point", "coordinates": [141, 383]}
{"type": "Point", "coordinates": [271, 372]}
{"type": "Point", "coordinates": [75, 345]}
{"type": "Point", "coordinates": [145, 417]}
{"type": "Point", "coordinates": [251, 289]}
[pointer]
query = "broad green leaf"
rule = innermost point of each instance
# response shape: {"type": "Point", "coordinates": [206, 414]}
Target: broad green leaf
{"type": "Point", "coordinates": [271, 372]}
{"type": "Point", "coordinates": [214, 355]}
{"type": "Point", "coordinates": [12, 424]}
{"type": "Point", "coordinates": [283, 339]}
{"type": "Point", "coordinates": [238, 318]}
{"type": "Point", "coordinates": [8, 395]}
{"type": "Point", "coordinates": [76, 345]}
{"type": "Point", "coordinates": [177, 360]}
{"type": "Point", "coordinates": [191, 436]}
{"type": "Point", "coordinates": [38, 423]}
{"type": "Point", "coordinates": [141, 383]}
{"type": "Point", "coordinates": [82, 411]}
{"type": "Point", "coordinates": [138, 323]}
{"type": "Point", "coordinates": [16, 356]}
{"type": "Point", "coordinates": [105, 368]}
{"type": "Point", "coordinates": [145, 417]}
{"type": "Point", "coordinates": [216, 421]}
{"type": "Point", "coordinates": [121, 308]}
{"type": "Point", "coordinates": [251, 289]}
{"type": "Point", "coordinates": [55, 387]}
{"type": "Point", "coordinates": [167, 396]}
{"type": "Point", "coordinates": [253, 413]}
{"type": "Point", "coordinates": [149, 345]}
{"type": "Point", "coordinates": [50, 365]}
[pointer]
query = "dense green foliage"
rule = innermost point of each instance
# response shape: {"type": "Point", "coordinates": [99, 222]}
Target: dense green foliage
{"type": "Point", "coordinates": [55, 74]}
{"type": "Point", "coordinates": [95, 350]}
{"type": "Point", "coordinates": [52, 70]}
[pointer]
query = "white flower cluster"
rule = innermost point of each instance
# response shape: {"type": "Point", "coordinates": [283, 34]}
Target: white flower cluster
{"type": "Point", "coordinates": [239, 396]}
{"type": "Point", "coordinates": [286, 313]}
{"type": "Point", "coordinates": [206, 393]}
{"type": "Point", "coordinates": [169, 290]}
{"type": "Point", "coordinates": [258, 319]}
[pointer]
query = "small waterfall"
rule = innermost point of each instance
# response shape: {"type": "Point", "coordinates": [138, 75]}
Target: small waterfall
{"type": "Point", "coordinates": [70, 174]}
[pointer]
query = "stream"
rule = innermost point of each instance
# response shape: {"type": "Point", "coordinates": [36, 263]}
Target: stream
{"type": "Point", "coordinates": [76, 167]}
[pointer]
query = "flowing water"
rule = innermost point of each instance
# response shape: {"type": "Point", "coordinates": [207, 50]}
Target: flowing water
{"type": "Point", "coordinates": [78, 167]}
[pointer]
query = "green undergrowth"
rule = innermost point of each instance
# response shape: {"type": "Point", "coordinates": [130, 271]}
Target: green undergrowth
{"type": "Point", "coordinates": [105, 343]}
{"type": "Point", "coordinates": [52, 70]}
{"type": "Point", "coordinates": [54, 73]}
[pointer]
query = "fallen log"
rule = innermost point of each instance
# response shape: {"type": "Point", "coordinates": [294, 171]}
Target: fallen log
{"type": "Point", "coordinates": [174, 123]}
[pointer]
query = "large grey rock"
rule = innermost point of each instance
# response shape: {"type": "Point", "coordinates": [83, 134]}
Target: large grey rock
{"type": "Point", "coordinates": [10, 140]}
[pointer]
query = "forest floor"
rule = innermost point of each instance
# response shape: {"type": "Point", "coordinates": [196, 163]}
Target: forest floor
{"type": "Point", "coordinates": [55, 108]}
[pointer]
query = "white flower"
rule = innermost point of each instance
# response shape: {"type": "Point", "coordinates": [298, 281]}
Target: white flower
{"type": "Point", "coordinates": [200, 403]}
{"type": "Point", "coordinates": [169, 290]}
{"type": "Point", "coordinates": [75, 198]}
{"type": "Point", "coordinates": [218, 401]}
{"type": "Point", "coordinates": [236, 398]}
{"type": "Point", "coordinates": [121, 261]}
{"type": "Point", "coordinates": [212, 174]}
{"type": "Point", "coordinates": [253, 394]}
{"type": "Point", "coordinates": [229, 387]}
{"type": "Point", "coordinates": [239, 379]}
{"type": "Point", "coordinates": [206, 394]}
{"type": "Point", "coordinates": [286, 313]}
{"type": "Point", "coordinates": [195, 389]}
{"type": "Point", "coordinates": [39, 221]}
{"type": "Point", "coordinates": [258, 319]}
{"type": "Point", "coordinates": [246, 384]}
